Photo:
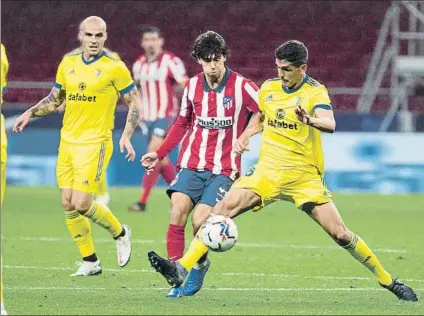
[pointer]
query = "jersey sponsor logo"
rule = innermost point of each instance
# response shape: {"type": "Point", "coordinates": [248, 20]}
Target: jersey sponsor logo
{"type": "Point", "coordinates": [215, 122]}
{"type": "Point", "coordinates": [81, 97]}
{"type": "Point", "coordinates": [279, 123]}
{"type": "Point", "coordinates": [279, 114]}
{"type": "Point", "coordinates": [227, 102]}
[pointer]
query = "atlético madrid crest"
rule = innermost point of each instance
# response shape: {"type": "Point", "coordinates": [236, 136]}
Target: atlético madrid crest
{"type": "Point", "coordinates": [227, 102]}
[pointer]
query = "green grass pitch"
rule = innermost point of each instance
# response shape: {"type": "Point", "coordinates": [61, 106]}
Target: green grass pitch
{"type": "Point", "coordinates": [283, 262]}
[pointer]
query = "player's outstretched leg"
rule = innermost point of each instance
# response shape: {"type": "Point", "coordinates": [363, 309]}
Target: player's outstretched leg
{"type": "Point", "coordinates": [172, 271]}
{"type": "Point", "coordinates": [102, 216]}
{"type": "Point", "coordinates": [330, 220]}
{"type": "Point", "coordinates": [197, 275]}
{"type": "Point", "coordinates": [235, 202]}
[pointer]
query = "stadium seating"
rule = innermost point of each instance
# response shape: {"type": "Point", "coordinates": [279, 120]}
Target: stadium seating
{"type": "Point", "coordinates": [341, 37]}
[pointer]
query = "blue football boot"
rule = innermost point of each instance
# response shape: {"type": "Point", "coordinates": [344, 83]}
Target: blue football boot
{"type": "Point", "coordinates": [175, 292]}
{"type": "Point", "coordinates": [195, 280]}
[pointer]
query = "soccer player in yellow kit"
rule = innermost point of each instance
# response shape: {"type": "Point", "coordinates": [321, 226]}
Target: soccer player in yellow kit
{"type": "Point", "coordinates": [295, 110]}
{"type": "Point", "coordinates": [4, 70]}
{"type": "Point", "coordinates": [90, 80]}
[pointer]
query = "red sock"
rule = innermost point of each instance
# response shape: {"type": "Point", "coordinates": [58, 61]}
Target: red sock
{"type": "Point", "coordinates": [167, 171]}
{"type": "Point", "coordinates": [149, 181]}
{"type": "Point", "coordinates": [175, 242]}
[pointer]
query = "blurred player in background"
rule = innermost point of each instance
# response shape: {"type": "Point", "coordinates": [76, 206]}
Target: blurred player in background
{"type": "Point", "coordinates": [90, 79]}
{"type": "Point", "coordinates": [4, 70]}
{"type": "Point", "coordinates": [156, 72]}
{"type": "Point", "coordinates": [295, 110]}
{"type": "Point", "coordinates": [216, 107]}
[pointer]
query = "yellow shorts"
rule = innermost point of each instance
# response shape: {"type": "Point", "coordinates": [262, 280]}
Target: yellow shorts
{"type": "Point", "coordinates": [298, 186]}
{"type": "Point", "coordinates": [3, 172]}
{"type": "Point", "coordinates": [82, 167]}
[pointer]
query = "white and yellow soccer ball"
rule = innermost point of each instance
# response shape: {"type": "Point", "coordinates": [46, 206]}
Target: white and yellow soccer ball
{"type": "Point", "coordinates": [219, 233]}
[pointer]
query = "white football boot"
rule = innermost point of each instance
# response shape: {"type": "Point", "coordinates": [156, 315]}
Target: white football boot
{"type": "Point", "coordinates": [123, 247]}
{"type": "Point", "coordinates": [87, 268]}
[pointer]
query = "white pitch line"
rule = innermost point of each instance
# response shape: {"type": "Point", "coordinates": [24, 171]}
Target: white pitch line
{"type": "Point", "coordinates": [245, 274]}
{"type": "Point", "coordinates": [232, 289]}
{"type": "Point", "coordinates": [239, 244]}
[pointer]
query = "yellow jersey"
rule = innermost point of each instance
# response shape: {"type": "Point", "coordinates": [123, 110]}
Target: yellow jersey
{"type": "Point", "coordinates": [287, 142]}
{"type": "Point", "coordinates": [92, 91]}
{"type": "Point", "coordinates": [4, 70]}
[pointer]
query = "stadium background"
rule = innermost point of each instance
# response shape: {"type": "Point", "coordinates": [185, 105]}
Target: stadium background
{"type": "Point", "coordinates": [341, 37]}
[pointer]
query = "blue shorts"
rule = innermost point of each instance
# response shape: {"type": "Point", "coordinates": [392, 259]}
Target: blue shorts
{"type": "Point", "coordinates": [203, 187]}
{"type": "Point", "coordinates": [157, 128]}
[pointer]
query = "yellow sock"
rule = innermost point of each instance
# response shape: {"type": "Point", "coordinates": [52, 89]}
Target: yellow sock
{"type": "Point", "coordinates": [80, 230]}
{"type": "Point", "coordinates": [196, 250]}
{"type": "Point", "coordinates": [361, 252]}
{"type": "Point", "coordinates": [102, 187]}
{"type": "Point", "coordinates": [102, 216]}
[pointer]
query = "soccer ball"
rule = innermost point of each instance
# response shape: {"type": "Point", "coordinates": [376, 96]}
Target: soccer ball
{"type": "Point", "coordinates": [219, 233]}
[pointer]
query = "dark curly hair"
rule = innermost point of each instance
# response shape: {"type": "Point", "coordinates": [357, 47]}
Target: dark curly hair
{"type": "Point", "coordinates": [208, 44]}
{"type": "Point", "coordinates": [295, 52]}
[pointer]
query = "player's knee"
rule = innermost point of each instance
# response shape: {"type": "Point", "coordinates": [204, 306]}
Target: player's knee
{"type": "Point", "coordinates": [179, 213]}
{"type": "Point", "coordinates": [341, 235]}
{"type": "Point", "coordinates": [225, 207]}
{"type": "Point", "coordinates": [82, 205]}
{"type": "Point", "coordinates": [67, 204]}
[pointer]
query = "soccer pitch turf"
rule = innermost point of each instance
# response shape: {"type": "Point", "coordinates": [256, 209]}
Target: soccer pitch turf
{"type": "Point", "coordinates": [283, 262]}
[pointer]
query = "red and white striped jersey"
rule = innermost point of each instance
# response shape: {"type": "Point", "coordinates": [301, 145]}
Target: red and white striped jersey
{"type": "Point", "coordinates": [214, 120]}
{"type": "Point", "coordinates": [156, 79]}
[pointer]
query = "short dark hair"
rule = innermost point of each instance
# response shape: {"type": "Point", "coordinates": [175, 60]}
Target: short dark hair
{"type": "Point", "coordinates": [208, 44]}
{"type": "Point", "coordinates": [143, 29]}
{"type": "Point", "coordinates": [295, 52]}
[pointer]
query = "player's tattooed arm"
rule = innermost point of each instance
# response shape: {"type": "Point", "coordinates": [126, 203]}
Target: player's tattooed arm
{"type": "Point", "coordinates": [49, 103]}
{"type": "Point", "coordinates": [132, 99]}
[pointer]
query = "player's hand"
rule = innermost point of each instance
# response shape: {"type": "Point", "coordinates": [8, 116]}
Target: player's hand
{"type": "Point", "coordinates": [241, 145]}
{"type": "Point", "coordinates": [21, 122]}
{"type": "Point", "coordinates": [125, 143]}
{"type": "Point", "coordinates": [302, 115]}
{"type": "Point", "coordinates": [149, 161]}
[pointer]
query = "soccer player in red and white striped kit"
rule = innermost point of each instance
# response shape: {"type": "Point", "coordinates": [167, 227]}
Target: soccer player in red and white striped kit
{"type": "Point", "coordinates": [156, 72]}
{"type": "Point", "coordinates": [216, 107]}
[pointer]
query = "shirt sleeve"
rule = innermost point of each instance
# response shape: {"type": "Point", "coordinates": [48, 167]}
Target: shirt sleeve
{"type": "Point", "coordinates": [123, 81]}
{"type": "Point", "coordinates": [136, 70]}
{"type": "Point", "coordinates": [179, 128]}
{"type": "Point", "coordinates": [4, 67]}
{"type": "Point", "coordinates": [177, 70]}
{"type": "Point", "coordinates": [60, 76]}
{"type": "Point", "coordinates": [321, 99]}
{"type": "Point", "coordinates": [261, 97]}
{"type": "Point", "coordinates": [251, 96]}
